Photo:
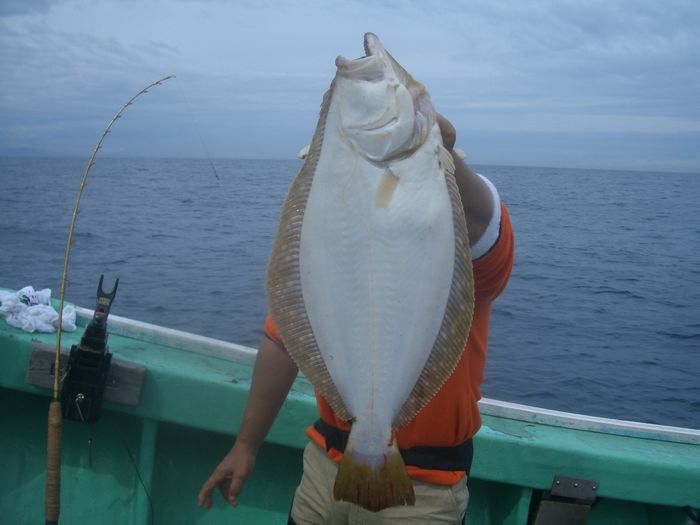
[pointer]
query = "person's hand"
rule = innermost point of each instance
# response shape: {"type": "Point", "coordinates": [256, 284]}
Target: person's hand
{"type": "Point", "coordinates": [448, 132]}
{"type": "Point", "coordinates": [229, 476]}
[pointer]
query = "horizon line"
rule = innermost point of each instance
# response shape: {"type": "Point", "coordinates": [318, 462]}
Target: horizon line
{"type": "Point", "coordinates": [4, 155]}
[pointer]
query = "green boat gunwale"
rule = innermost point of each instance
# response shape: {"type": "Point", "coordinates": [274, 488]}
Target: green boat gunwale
{"type": "Point", "coordinates": [244, 354]}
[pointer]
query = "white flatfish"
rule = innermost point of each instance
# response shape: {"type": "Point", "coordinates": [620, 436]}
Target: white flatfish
{"type": "Point", "coordinates": [370, 280]}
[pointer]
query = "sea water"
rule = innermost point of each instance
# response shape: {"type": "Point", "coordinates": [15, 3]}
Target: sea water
{"type": "Point", "coordinates": [601, 316]}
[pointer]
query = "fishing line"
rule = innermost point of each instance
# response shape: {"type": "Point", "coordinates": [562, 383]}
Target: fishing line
{"type": "Point", "coordinates": [211, 162]}
{"type": "Point", "coordinates": [138, 475]}
{"type": "Point", "coordinates": [194, 122]}
{"type": "Point", "coordinates": [52, 505]}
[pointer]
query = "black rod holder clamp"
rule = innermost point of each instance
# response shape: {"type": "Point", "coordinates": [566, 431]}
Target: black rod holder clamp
{"type": "Point", "coordinates": [88, 364]}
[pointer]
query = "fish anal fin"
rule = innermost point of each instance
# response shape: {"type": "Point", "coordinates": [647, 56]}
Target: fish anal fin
{"type": "Point", "coordinates": [374, 483]}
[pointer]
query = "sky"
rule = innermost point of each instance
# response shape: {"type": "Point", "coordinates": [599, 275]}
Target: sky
{"type": "Point", "coordinates": [611, 84]}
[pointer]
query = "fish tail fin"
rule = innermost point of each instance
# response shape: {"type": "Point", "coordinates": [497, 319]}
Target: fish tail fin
{"type": "Point", "coordinates": [373, 482]}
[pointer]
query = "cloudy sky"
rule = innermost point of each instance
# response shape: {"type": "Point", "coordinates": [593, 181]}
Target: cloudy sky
{"type": "Point", "coordinates": [571, 83]}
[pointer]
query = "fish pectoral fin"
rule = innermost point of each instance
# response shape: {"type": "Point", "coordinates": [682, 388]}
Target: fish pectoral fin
{"type": "Point", "coordinates": [374, 482]}
{"type": "Point", "coordinates": [386, 188]}
{"type": "Point", "coordinates": [445, 159]}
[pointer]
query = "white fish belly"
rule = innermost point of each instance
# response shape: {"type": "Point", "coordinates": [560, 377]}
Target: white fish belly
{"type": "Point", "coordinates": [376, 279]}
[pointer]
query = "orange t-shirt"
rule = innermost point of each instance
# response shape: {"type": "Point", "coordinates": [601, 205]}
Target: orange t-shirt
{"type": "Point", "coordinates": [452, 416]}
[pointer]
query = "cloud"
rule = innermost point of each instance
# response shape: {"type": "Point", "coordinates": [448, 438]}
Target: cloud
{"type": "Point", "coordinates": [577, 123]}
{"type": "Point", "coordinates": [247, 68]}
{"type": "Point", "coordinates": [23, 7]}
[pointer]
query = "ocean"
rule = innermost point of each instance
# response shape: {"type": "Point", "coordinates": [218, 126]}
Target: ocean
{"type": "Point", "coordinates": [601, 316]}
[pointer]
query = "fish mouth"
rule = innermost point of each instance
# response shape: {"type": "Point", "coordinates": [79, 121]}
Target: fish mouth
{"type": "Point", "coordinates": [372, 45]}
{"type": "Point", "coordinates": [371, 67]}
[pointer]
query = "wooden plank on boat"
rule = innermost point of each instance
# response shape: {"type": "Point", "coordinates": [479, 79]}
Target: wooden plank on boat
{"type": "Point", "coordinates": [124, 379]}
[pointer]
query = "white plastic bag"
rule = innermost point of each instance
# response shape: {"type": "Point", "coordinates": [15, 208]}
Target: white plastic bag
{"type": "Point", "coordinates": [31, 311]}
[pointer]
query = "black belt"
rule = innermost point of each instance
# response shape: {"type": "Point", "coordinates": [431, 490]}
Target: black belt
{"type": "Point", "coordinates": [454, 458]}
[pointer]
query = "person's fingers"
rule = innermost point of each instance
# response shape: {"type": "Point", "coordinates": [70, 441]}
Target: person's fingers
{"type": "Point", "coordinates": [448, 132]}
{"type": "Point", "coordinates": [204, 497]}
{"type": "Point", "coordinates": [229, 477]}
{"type": "Point", "coordinates": [234, 489]}
{"type": "Point", "coordinates": [223, 488]}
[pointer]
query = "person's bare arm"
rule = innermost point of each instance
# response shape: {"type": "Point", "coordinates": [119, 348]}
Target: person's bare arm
{"type": "Point", "coordinates": [273, 376]}
{"type": "Point", "coordinates": [476, 195]}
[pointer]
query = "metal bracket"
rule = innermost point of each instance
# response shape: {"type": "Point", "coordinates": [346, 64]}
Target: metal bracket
{"type": "Point", "coordinates": [569, 501]}
{"type": "Point", "coordinates": [583, 490]}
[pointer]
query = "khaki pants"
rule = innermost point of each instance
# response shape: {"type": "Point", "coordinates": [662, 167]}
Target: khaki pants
{"type": "Point", "coordinates": [314, 503]}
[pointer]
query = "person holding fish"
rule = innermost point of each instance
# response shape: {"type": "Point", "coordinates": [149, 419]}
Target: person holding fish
{"type": "Point", "coordinates": [389, 255]}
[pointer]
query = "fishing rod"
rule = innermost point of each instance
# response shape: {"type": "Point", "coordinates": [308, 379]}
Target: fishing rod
{"type": "Point", "coordinates": [52, 502]}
